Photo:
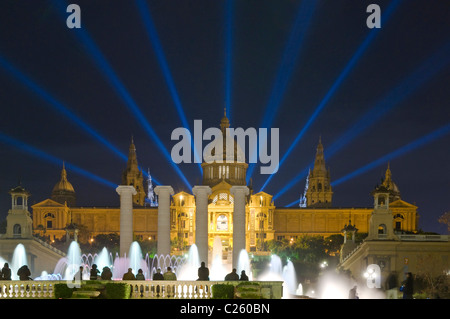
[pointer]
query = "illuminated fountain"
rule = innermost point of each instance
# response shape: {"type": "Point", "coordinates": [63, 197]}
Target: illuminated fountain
{"type": "Point", "coordinates": [189, 270]}
{"type": "Point", "coordinates": [217, 269]}
{"type": "Point", "coordinates": [290, 278]}
{"type": "Point", "coordinates": [244, 264]}
{"type": "Point", "coordinates": [19, 259]}
{"type": "Point", "coordinates": [162, 262]}
{"type": "Point", "coordinates": [299, 291]}
{"type": "Point", "coordinates": [136, 261]}
{"type": "Point", "coordinates": [277, 272]}
{"type": "Point", "coordinates": [104, 259]}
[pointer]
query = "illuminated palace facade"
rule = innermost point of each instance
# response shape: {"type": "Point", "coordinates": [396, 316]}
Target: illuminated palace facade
{"type": "Point", "coordinates": [264, 221]}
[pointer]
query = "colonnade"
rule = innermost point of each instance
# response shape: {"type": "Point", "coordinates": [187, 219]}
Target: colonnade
{"type": "Point", "coordinates": [201, 194]}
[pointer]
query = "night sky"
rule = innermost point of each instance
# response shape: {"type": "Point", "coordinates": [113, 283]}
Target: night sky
{"type": "Point", "coordinates": [368, 93]}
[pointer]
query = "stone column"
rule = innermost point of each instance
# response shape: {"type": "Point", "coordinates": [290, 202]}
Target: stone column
{"type": "Point", "coordinates": [164, 193]}
{"type": "Point", "coordinates": [126, 217]}
{"type": "Point", "coordinates": [201, 194]}
{"type": "Point", "coordinates": [239, 193]}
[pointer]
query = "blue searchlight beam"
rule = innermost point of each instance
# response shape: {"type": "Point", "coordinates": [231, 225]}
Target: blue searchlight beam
{"type": "Point", "coordinates": [350, 65]}
{"type": "Point", "coordinates": [290, 56]}
{"type": "Point", "coordinates": [431, 137]}
{"type": "Point", "coordinates": [33, 151]}
{"type": "Point", "coordinates": [425, 72]}
{"type": "Point", "coordinates": [60, 107]}
{"type": "Point", "coordinates": [120, 89]}
{"type": "Point", "coordinates": [144, 11]}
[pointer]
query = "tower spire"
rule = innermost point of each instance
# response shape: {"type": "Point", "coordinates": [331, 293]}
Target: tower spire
{"type": "Point", "coordinates": [319, 162]}
{"type": "Point", "coordinates": [318, 191]}
{"type": "Point", "coordinates": [224, 123]}
{"type": "Point", "coordinates": [132, 175]}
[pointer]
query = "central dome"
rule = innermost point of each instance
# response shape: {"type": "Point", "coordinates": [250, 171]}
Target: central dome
{"type": "Point", "coordinates": [218, 165]}
{"type": "Point", "coordinates": [63, 191]}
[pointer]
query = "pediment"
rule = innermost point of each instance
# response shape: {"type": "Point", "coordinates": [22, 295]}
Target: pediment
{"type": "Point", "coordinates": [263, 194]}
{"type": "Point", "coordinates": [182, 193]}
{"type": "Point", "coordinates": [48, 203]}
{"type": "Point", "coordinates": [401, 203]}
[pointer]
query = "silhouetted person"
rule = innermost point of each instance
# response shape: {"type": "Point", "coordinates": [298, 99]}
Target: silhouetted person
{"type": "Point", "coordinates": [129, 275]}
{"type": "Point", "coordinates": [6, 272]}
{"type": "Point", "coordinates": [169, 275]}
{"type": "Point", "coordinates": [232, 276]}
{"type": "Point", "coordinates": [79, 274]}
{"type": "Point", "coordinates": [244, 277]}
{"type": "Point", "coordinates": [408, 286]}
{"type": "Point", "coordinates": [24, 273]}
{"type": "Point", "coordinates": [106, 273]}
{"type": "Point", "coordinates": [391, 286]}
{"type": "Point", "coordinates": [158, 275]}
{"type": "Point", "coordinates": [203, 272]}
{"type": "Point", "coordinates": [94, 272]}
{"type": "Point", "coordinates": [140, 275]}
{"type": "Point", "coordinates": [352, 294]}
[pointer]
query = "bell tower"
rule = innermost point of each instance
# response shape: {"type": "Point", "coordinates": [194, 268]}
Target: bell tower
{"type": "Point", "coordinates": [319, 192]}
{"type": "Point", "coordinates": [381, 224]}
{"type": "Point", "coordinates": [132, 176]}
{"type": "Point", "coordinates": [19, 222]}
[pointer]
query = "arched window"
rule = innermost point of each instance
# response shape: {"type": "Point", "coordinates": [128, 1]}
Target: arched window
{"type": "Point", "coordinates": [381, 229]}
{"type": "Point", "coordinates": [17, 230]}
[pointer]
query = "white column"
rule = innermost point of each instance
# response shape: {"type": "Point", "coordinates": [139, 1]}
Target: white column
{"type": "Point", "coordinates": [239, 193]}
{"type": "Point", "coordinates": [164, 193]}
{"type": "Point", "coordinates": [126, 217]}
{"type": "Point", "coordinates": [201, 194]}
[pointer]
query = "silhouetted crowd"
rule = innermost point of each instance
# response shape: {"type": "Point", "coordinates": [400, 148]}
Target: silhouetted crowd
{"type": "Point", "coordinates": [24, 273]}
{"type": "Point", "coordinates": [106, 274]}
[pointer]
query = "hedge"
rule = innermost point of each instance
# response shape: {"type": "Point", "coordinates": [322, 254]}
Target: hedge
{"type": "Point", "coordinates": [118, 290]}
{"type": "Point", "coordinates": [63, 291]}
{"type": "Point", "coordinates": [222, 291]}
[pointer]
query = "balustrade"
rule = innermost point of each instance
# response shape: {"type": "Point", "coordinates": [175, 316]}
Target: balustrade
{"type": "Point", "coordinates": [141, 289]}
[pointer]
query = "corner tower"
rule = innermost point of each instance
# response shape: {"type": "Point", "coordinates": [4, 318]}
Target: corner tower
{"type": "Point", "coordinates": [319, 192]}
{"type": "Point", "coordinates": [18, 222]}
{"type": "Point", "coordinates": [134, 177]}
{"type": "Point", "coordinates": [63, 191]}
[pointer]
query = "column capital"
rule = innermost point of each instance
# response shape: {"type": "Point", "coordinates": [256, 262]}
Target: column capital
{"type": "Point", "coordinates": [164, 188]}
{"type": "Point", "coordinates": [237, 189]}
{"type": "Point", "coordinates": [201, 189]}
{"type": "Point", "coordinates": [123, 189]}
